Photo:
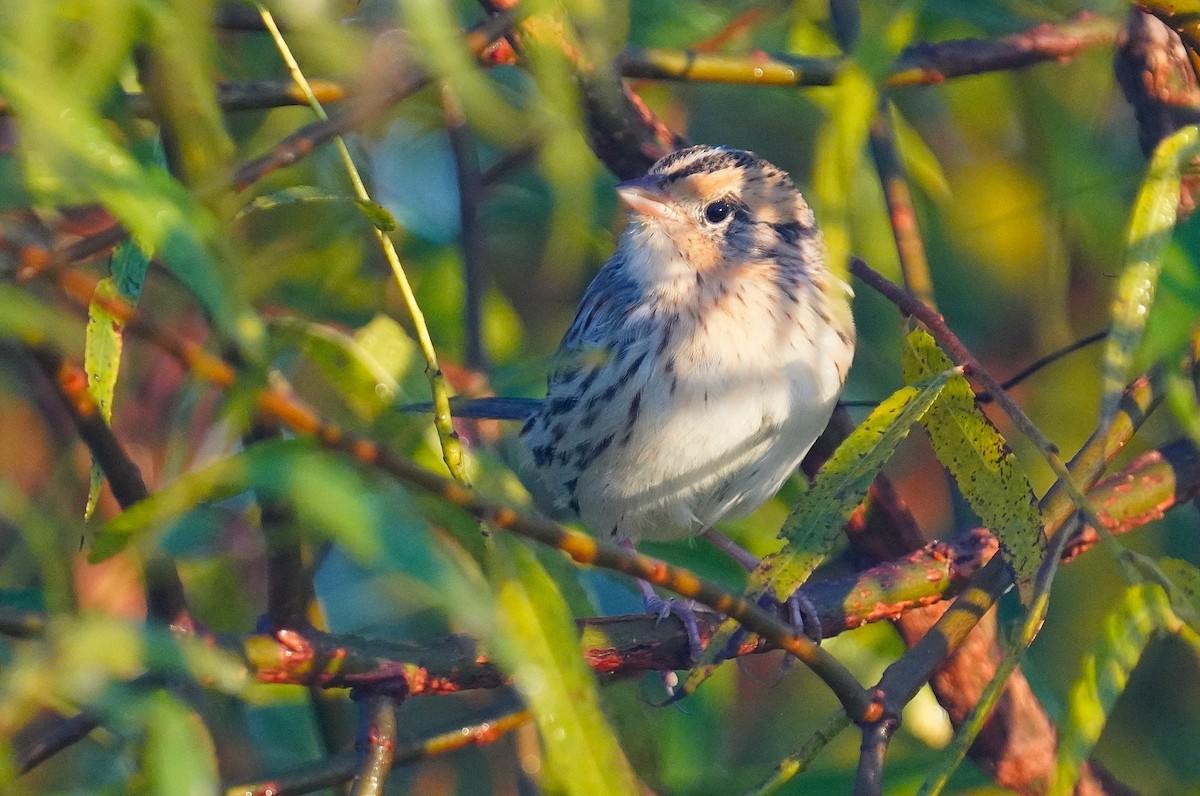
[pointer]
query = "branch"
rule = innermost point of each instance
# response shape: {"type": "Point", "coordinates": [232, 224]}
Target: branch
{"type": "Point", "coordinates": [340, 769]}
{"type": "Point", "coordinates": [376, 744]}
{"type": "Point", "coordinates": [924, 63]}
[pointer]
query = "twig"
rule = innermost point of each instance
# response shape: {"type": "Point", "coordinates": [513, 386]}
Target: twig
{"type": "Point", "coordinates": [376, 744]}
{"type": "Point", "coordinates": [339, 769]}
{"type": "Point", "coordinates": [452, 449]}
{"type": "Point", "coordinates": [928, 63]}
{"type": "Point", "coordinates": [753, 69]}
{"type": "Point", "coordinates": [911, 250]}
{"type": "Point", "coordinates": [470, 189]}
{"type": "Point", "coordinates": [408, 80]}
{"type": "Point", "coordinates": [875, 738]}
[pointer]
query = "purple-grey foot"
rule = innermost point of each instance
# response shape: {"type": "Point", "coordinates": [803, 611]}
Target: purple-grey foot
{"type": "Point", "coordinates": [671, 607]}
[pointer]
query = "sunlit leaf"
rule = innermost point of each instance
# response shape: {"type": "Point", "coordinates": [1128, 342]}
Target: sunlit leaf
{"type": "Point", "coordinates": [838, 155]}
{"type": "Point", "coordinates": [308, 195]}
{"type": "Point", "coordinates": [977, 456]}
{"type": "Point", "coordinates": [25, 319]}
{"type": "Point", "coordinates": [919, 161]}
{"type": "Point", "coordinates": [537, 642]}
{"type": "Point", "coordinates": [1140, 612]}
{"type": "Point", "coordinates": [1151, 225]}
{"type": "Point", "coordinates": [177, 70]}
{"type": "Point", "coordinates": [364, 368]}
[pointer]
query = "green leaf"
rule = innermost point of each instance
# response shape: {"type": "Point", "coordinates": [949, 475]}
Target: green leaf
{"type": "Point", "coordinates": [816, 523]}
{"type": "Point", "coordinates": [838, 155]}
{"type": "Point", "coordinates": [1150, 228]}
{"type": "Point", "coordinates": [102, 362]}
{"type": "Point", "coordinates": [1140, 612]}
{"type": "Point", "coordinates": [24, 318]}
{"type": "Point", "coordinates": [919, 160]}
{"type": "Point", "coordinates": [176, 69]}
{"type": "Point", "coordinates": [364, 368]}
{"type": "Point", "coordinates": [69, 155]}
{"type": "Point", "coordinates": [327, 494]}
{"type": "Point", "coordinates": [536, 640]}
{"type": "Point", "coordinates": [1181, 580]}
{"type": "Point", "coordinates": [983, 466]}
{"type": "Point", "coordinates": [178, 755]}
{"type": "Point", "coordinates": [308, 195]}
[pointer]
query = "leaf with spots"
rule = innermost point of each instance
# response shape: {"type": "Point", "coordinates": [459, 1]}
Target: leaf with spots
{"type": "Point", "coordinates": [102, 349]}
{"type": "Point", "coordinates": [816, 523]}
{"type": "Point", "coordinates": [971, 448]}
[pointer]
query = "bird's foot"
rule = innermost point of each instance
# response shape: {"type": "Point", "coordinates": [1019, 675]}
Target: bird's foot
{"type": "Point", "coordinates": [684, 610]}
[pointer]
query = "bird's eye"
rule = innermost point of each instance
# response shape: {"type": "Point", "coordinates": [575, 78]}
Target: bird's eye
{"type": "Point", "coordinates": [717, 212]}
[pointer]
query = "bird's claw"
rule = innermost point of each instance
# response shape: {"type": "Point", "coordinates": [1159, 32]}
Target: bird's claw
{"type": "Point", "coordinates": [686, 613]}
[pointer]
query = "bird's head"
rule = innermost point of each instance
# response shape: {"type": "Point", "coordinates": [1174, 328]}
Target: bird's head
{"type": "Point", "coordinates": [719, 208]}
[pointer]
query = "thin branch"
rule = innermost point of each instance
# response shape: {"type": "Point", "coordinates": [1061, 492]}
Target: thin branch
{"type": "Point", "coordinates": [909, 246]}
{"type": "Point", "coordinates": [376, 744]}
{"type": "Point", "coordinates": [752, 69]}
{"type": "Point", "coordinates": [875, 739]}
{"type": "Point", "coordinates": [340, 769]}
{"type": "Point", "coordinates": [470, 190]}
{"type": "Point", "coordinates": [930, 63]}
{"type": "Point", "coordinates": [453, 453]}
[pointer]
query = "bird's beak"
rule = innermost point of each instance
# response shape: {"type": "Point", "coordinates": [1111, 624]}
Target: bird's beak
{"type": "Point", "coordinates": [645, 196]}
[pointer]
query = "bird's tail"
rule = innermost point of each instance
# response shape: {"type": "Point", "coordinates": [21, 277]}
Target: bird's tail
{"type": "Point", "coordinates": [494, 408]}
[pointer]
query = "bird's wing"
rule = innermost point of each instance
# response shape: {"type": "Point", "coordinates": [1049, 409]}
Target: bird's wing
{"type": "Point", "coordinates": [601, 320]}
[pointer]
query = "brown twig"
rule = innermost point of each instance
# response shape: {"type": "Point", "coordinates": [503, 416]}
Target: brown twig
{"type": "Point", "coordinates": [339, 769]}
{"type": "Point", "coordinates": [909, 246]}
{"type": "Point", "coordinates": [927, 63]}
{"type": "Point", "coordinates": [376, 744]}
{"type": "Point", "coordinates": [470, 190]}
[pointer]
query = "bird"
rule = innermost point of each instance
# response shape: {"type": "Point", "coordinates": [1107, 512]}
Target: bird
{"type": "Point", "coordinates": [704, 359]}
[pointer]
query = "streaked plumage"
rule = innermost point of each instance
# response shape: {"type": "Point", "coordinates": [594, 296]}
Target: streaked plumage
{"type": "Point", "coordinates": [704, 359]}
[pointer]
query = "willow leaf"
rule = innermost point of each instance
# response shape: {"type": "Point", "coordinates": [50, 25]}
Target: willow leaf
{"type": "Point", "coordinates": [1150, 227]}
{"type": "Point", "coordinates": [1141, 611]}
{"type": "Point", "coordinates": [536, 640]}
{"type": "Point", "coordinates": [971, 448]}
